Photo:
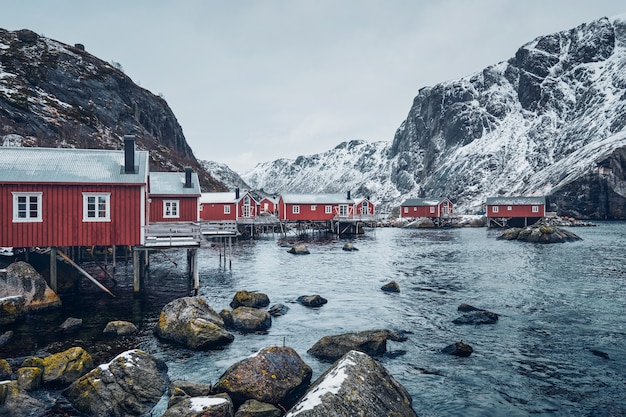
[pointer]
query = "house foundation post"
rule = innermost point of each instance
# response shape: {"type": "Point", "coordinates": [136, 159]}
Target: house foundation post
{"type": "Point", "coordinates": [53, 269]}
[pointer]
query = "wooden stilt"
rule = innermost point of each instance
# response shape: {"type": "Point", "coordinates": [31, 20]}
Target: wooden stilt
{"type": "Point", "coordinates": [53, 269]}
{"type": "Point", "coordinates": [85, 273]}
{"type": "Point", "coordinates": [136, 272]}
{"type": "Point", "coordinates": [114, 258]}
{"type": "Point", "coordinates": [230, 252]}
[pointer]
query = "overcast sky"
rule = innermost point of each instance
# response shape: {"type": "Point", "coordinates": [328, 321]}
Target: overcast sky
{"type": "Point", "coordinates": [253, 81]}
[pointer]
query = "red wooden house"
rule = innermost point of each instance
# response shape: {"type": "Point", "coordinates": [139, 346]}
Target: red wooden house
{"type": "Point", "coordinates": [268, 205]}
{"type": "Point", "coordinates": [364, 208]}
{"type": "Point", "coordinates": [434, 208]}
{"type": "Point", "coordinates": [72, 197]}
{"type": "Point", "coordinates": [515, 211]}
{"type": "Point", "coordinates": [174, 197]}
{"type": "Point", "coordinates": [315, 207]}
{"type": "Point", "coordinates": [227, 206]}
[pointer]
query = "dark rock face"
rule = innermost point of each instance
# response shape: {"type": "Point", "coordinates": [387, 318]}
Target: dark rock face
{"type": "Point", "coordinates": [254, 408]}
{"type": "Point", "coordinates": [250, 299]}
{"type": "Point", "coordinates": [315, 300]}
{"type": "Point", "coordinates": [274, 375]}
{"type": "Point", "coordinates": [356, 385]}
{"type": "Point", "coordinates": [119, 328]}
{"type": "Point", "coordinates": [16, 402]}
{"type": "Point", "coordinates": [278, 310]}
{"type": "Point", "coordinates": [11, 309]}
{"type": "Point", "coordinates": [192, 322]}
{"type": "Point", "coordinates": [71, 324]}
{"type": "Point", "coordinates": [66, 367]}
{"type": "Point", "coordinates": [372, 342]}
{"type": "Point", "coordinates": [21, 279]}
{"type": "Point", "coordinates": [180, 390]}
{"type": "Point", "coordinates": [130, 385]}
{"type": "Point", "coordinates": [477, 317]}
{"type": "Point", "coordinates": [88, 103]}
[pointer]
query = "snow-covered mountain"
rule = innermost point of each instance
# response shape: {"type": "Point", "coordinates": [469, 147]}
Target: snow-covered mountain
{"type": "Point", "coordinates": [225, 175]}
{"type": "Point", "coordinates": [549, 121]}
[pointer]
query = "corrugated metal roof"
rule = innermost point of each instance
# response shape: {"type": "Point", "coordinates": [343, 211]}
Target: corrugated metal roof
{"type": "Point", "coordinates": [422, 201]}
{"type": "Point", "coordinates": [172, 183]}
{"type": "Point", "coordinates": [62, 165]}
{"type": "Point", "coordinates": [515, 201]}
{"type": "Point", "coordinates": [316, 199]}
{"type": "Point", "coordinates": [224, 197]}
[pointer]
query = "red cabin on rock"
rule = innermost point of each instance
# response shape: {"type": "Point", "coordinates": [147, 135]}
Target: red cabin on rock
{"type": "Point", "coordinates": [315, 207]}
{"type": "Point", "coordinates": [515, 211]}
{"type": "Point", "coordinates": [52, 197]}
{"type": "Point", "coordinates": [227, 206]}
{"type": "Point", "coordinates": [174, 196]}
{"type": "Point", "coordinates": [434, 208]}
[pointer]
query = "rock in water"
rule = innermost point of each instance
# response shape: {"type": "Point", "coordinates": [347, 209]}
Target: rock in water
{"type": "Point", "coordinates": [22, 279]}
{"type": "Point", "coordinates": [299, 250]}
{"type": "Point", "coordinates": [247, 319]}
{"type": "Point", "coordinates": [130, 385]}
{"type": "Point", "coordinates": [372, 342]}
{"type": "Point", "coordinates": [315, 300]}
{"type": "Point", "coordinates": [192, 322]}
{"type": "Point", "coordinates": [206, 406]}
{"type": "Point", "coordinates": [119, 328]}
{"type": "Point", "coordinates": [356, 385]}
{"type": "Point", "coordinates": [458, 349]}
{"type": "Point", "coordinates": [274, 375]}
{"type": "Point", "coordinates": [541, 232]}
{"type": "Point", "coordinates": [391, 286]}
{"type": "Point", "coordinates": [250, 299]}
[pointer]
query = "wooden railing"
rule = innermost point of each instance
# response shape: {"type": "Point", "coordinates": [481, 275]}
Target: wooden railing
{"type": "Point", "coordinates": [172, 234]}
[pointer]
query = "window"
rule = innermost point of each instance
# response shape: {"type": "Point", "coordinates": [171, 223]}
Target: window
{"type": "Point", "coordinates": [170, 209]}
{"type": "Point", "coordinates": [227, 209]}
{"type": "Point", "coordinates": [495, 209]}
{"type": "Point", "coordinates": [365, 208]}
{"type": "Point", "coordinates": [27, 207]}
{"type": "Point", "coordinates": [295, 209]}
{"type": "Point", "coordinates": [432, 209]}
{"type": "Point", "coordinates": [535, 209]}
{"type": "Point", "coordinates": [96, 207]}
{"type": "Point", "coordinates": [414, 208]}
{"type": "Point", "coordinates": [313, 207]}
{"type": "Point", "coordinates": [509, 208]}
{"type": "Point", "coordinates": [329, 209]}
{"type": "Point", "coordinates": [406, 209]}
{"type": "Point", "coordinates": [266, 207]}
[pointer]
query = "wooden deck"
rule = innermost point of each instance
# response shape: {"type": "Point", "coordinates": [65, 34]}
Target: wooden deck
{"type": "Point", "coordinates": [186, 234]}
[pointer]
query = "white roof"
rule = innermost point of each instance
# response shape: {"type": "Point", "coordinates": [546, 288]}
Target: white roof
{"type": "Point", "coordinates": [316, 199]}
{"type": "Point", "coordinates": [62, 165]}
{"type": "Point", "coordinates": [172, 183]}
{"type": "Point", "coordinates": [223, 197]}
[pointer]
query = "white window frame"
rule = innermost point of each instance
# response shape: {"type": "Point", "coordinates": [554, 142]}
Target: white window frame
{"type": "Point", "coordinates": [535, 209]}
{"type": "Point", "coordinates": [295, 209]}
{"type": "Point", "coordinates": [171, 209]}
{"type": "Point", "coordinates": [328, 210]}
{"type": "Point", "coordinates": [365, 208]}
{"type": "Point", "coordinates": [27, 212]}
{"type": "Point", "coordinates": [97, 217]}
{"type": "Point", "coordinates": [406, 209]}
{"type": "Point", "coordinates": [432, 209]}
{"type": "Point", "coordinates": [226, 209]}
{"type": "Point", "coordinates": [313, 207]}
{"type": "Point", "coordinates": [509, 208]}
{"type": "Point", "coordinates": [495, 209]}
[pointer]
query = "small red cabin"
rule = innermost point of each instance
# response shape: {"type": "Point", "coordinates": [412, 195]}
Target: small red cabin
{"type": "Point", "coordinates": [515, 211]}
{"type": "Point", "coordinates": [363, 207]}
{"type": "Point", "coordinates": [315, 207]}
{"type": "Point", "coordinates": [436, 208]}
{"type": "Point", "coordinates": [51, 197]}
{"type": "Point", "coordinates": [268, 205]}
{"type": "Point", "coordinates": [174, 197]}
{"type": "Point", "coordinates": [227, 206]}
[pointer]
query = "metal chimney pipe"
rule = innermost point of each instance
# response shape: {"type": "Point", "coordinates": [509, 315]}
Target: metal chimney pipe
{"type": "Point", "coordinates": [129, 154]}
{"type": "Point", "coordinates": [187, 177]}
{"type": "Point", "coordinates": [237, 193]}
{"type": "Point", "coordinates": [348, 195]}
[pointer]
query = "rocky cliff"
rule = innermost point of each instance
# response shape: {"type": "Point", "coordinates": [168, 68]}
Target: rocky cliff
{"type": "Point", "coordinates": [549, 121]}
{"type": "Point", "coordinates": [56, 95]}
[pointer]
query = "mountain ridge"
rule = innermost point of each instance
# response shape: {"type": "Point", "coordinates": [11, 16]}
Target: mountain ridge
{"type": "Point", "coordinates": [548, 121]}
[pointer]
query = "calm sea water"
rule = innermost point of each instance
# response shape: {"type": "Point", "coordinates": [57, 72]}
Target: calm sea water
{"type": "Point", "coordinates": [557, 305]}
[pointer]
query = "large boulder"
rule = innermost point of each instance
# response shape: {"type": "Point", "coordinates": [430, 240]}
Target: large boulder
{"type": "Point", "coordinates": [16, 402]}
{"type": "Point", "coordinates": [11, 308]}
{"type": "Point", "coordinates": [458, 349]}
{"type": "Point", "coordinates": [63, 368]}
{"type": "Point", "coordinates": [207, 406]}
{"type": "Point", "coordinates": [181, 389]}
{"type": "Point", "coordinates": [372, 342]}
{"type": "Point", "coordinates": [22, 279]}
{"type": "Point", "coordinates": [299, 250]}
{"type": "Point", "coordinates": [541, 232]}
{"type": "Point", "coordinates": [247, 319]}
{"type": "Point", "coordinates": [274, 375]}
{"type": "Point", "coordinates": [119, 328]}
{"type": "Point", "coordinates": [130, 385]}
{"type": "Point", "coordinates": [356, 385]}
{"type": "Point", "coordinates": [314, 300]}
{"type": "Point", "coordinates": [190, 321]}
{"type": "Point", "coordinates": [250, 299]}
{"type": "Point", "coordinates": [5, 370]}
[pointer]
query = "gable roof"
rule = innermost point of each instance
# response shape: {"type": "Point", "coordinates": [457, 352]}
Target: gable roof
{"type": "Point", "coordinates": [172, 183]}
{"type": "Point", "coordinates": [62, 165]}
{"type": "Point", "coordinates": [515, 201]}
{"type": "Point", "coordinates": [423, 201]}
{"type": "Point", "coordinates": [316, 199]}
{"type": "Point", "coordinates": [224, 197]}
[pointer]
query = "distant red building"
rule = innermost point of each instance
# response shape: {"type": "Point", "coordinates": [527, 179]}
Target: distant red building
{"type": "Point", "coordinates": [515, 211]}
{"type": "Point", "coordinates": [268, 205]}
{"type": "Point", "coordinates": [72, 197]}
{"type": "Point", "coordinates": [174, 196]}
{"type": "Point", "coordinates": [440, 208]}
{"type": "Point", "coordinates": [227, 206]}
{"type": "Point", "coordinates": [315, 207]}
{"type": "Point", "coordinates": [363, 207]}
